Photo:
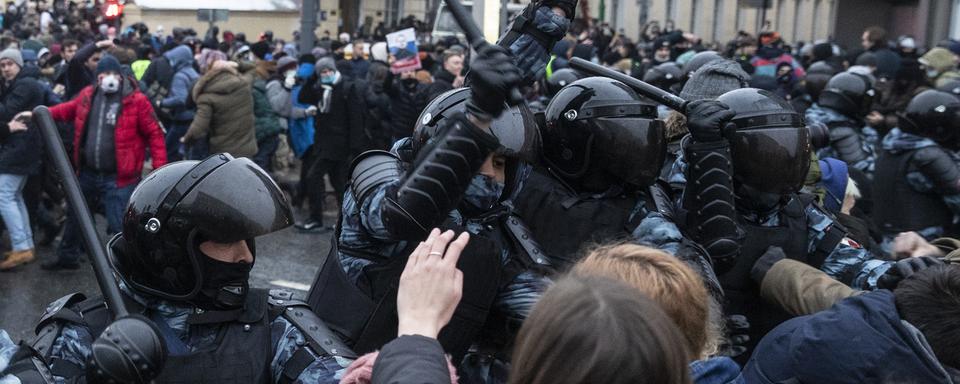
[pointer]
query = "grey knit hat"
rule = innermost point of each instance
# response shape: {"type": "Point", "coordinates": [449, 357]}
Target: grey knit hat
{"type": "Point", "coordinates": [12, 54]}
{"type": "Point", "coordinates": [714, 79]}
{"type": "Point", "coordinates": [325, 63]}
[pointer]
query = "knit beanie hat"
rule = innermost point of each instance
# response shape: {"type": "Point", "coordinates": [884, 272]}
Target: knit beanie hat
{"type": "Point", "coordinates": [308, 58]}
{"type": "Point", "coordinates": [260, 49]}
{"type": "Point", "coordinates": [108, 63]}
{"type": "Point", "coordinates": [12, 54]}
{"type": "Point", "coordinates": [325, 64]}
{"type": "Point", "coordinates": [938, 58]}
{"type": "Point", "coordinates": [286, 63]}
{"type": "Point", "coordinates": [714, 79]}
{"type": "Point", "coordinates": [378, 51]}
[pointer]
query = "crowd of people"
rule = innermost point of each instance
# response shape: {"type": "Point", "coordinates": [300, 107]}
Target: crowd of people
{"type": "Point", "coordinates": [507, 214]}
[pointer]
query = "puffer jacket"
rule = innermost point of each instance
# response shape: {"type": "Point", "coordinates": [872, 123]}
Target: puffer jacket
{"type": "Point", "coordinates": [224, 113]}
{"type": "Point", "coordinates": [137, 130]}
{"type": "Point", "coordinates": [818, 348]}
{"type": "Point", "coordinates": [181, 60]}
{"type": "Point", "coordinates": [21, 152]}
{"type": "Point", "coordinates": [266, 121]}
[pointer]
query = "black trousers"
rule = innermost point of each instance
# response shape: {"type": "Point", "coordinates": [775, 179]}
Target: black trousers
{"type": "Point", "coordinates": [316, 186]}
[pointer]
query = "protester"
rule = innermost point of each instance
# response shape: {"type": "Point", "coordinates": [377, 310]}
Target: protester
{"type": "Point", "coordinates": [448, 76]}
{"type": "Point", "coordinates": [114, 128]}
{"type": "Point", "coordinates": [224, 121]}
{"type": "Point", "coordinates": [680, 292]}
{"type": "Point", "coordinates": [176, 102]}
{"type": "Point", "coordinates": [20, 155]}
{"type": "Point", "coordinates": [339, 126]}
{"type": "Point", "coordinates": [561, 342]}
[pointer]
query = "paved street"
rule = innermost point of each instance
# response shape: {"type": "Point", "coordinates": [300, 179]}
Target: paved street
{"type": "Point", "coordinates": [286, 259]}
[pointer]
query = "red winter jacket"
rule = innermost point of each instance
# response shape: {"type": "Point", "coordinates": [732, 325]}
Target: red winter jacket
{"type": "Point", "coordinates": [136, 129]}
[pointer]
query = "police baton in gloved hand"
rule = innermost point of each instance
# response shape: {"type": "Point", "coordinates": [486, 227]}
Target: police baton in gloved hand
{"type": "Point", "coordinates": [130, 350]}
{"type": "Point", "coordinates": [712, 222]}
{"type": "Point", "coordinates": [476, 40]}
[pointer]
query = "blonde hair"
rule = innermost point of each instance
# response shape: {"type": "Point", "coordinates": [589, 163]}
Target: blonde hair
{"type": "Point", "coordinates": [665, 279]}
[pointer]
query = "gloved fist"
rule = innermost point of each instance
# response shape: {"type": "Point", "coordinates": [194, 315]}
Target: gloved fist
{"type": "Point", "coordinates": [904, 269]}
{"type": "Point", "coordinates": [493, 77]}
{"type": "Point", "coordinates": [737, 338]}
{"type": "Point", "coordinates": [706, 119]}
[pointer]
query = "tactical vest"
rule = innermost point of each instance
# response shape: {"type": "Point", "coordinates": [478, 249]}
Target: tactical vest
{"type": "Point", "coordinates": [743, 294]}
{"type": "Point", "coordinates": [365, 314]}
{"type": "Point", "coordinates": [242, 353]}
{"type": "Point", "coordinates": [243, 350]}
{"type": "Point", "coordinates": [899, 208]}
{"type": "Point", "coordinates": [565, 223]}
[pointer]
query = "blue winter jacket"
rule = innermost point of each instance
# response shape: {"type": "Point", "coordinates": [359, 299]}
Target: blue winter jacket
{"type": "Point", "coordinates": [301, 130]}
{"type": "Point", "coordinates": [181, 60]}
{"type": "Point", "coordinates": [861, 339]}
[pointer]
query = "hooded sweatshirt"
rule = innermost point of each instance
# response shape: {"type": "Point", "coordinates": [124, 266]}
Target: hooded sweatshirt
{"type": "Point", "coordinates": [861, 339]}
{"type": "Point", "coordinates": [181, 60]}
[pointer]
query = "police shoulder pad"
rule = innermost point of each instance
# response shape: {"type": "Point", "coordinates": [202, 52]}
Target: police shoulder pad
{"type": "Point", "coordinates": [318, 336]}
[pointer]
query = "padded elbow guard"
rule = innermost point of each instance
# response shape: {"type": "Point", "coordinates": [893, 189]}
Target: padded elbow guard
{"type": "Point", "coordinates": [437, 181]}
{"type": "Point", "coordinates": [709, 199]}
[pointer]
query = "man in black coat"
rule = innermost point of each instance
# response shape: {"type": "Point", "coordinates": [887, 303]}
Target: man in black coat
{"type": "Point", "coordinates": [20, 155]}
{"type": "Point", "coordinates": [81, 68]}
{"type": "Point", "coordinates": [447, 77]}
{"type": "Point", "coordinates": [339, 134]}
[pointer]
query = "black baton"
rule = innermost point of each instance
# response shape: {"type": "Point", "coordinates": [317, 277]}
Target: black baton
{"type": "Point", "coordinates": [475, 39]}
{"type": "Point", "coordinates": [78, 206]}
{"type": "Point", "coordinates": [672, 101]}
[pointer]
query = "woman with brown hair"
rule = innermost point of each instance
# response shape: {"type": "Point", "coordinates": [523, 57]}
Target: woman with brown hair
{"type": "Point", "coordinates": [679, 291]}
{"type": "Point", "coordinates": [595, 330]}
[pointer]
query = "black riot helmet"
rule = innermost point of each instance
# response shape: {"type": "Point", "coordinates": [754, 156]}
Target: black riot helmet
{"type": "Point", "coordinates": [664, 76]}
{"type": "Point", "coordinates": [818, 75]}
{"type": "Point", "coordinates": [935, 115]}
{"type": "Point", "coordinates": [515, 129]}
{"type": "Point", "coordinates": [771, 145]}
{"type": "Point", "coordinates": [952, 87]}
{"type": "Point", "coordinates": [186, 203]}
{"type": "Point", "coordinates": [848, 93]}
{"type": "Point", "coordinates": [559, 79]}
{"type": "Point", "coordinates": [598, 132]}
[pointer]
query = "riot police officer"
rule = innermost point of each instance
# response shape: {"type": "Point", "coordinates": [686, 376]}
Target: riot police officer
{"type": "Point", "coordinates": [918, 179]}
{"type": "Point", "coordinates": [458, 171]}
{"type": "Point", "coordinates": [841, 106]}
{"type": "Point", "coordinates": [601, 155]}
{"type": "Point", "coordinates": [746, 159]}
{"type": "Point", "coordinates": [183, 261]}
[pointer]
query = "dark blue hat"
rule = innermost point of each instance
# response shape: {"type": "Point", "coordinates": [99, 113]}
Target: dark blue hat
{"type": "Point", "coordinates": [108, 63]}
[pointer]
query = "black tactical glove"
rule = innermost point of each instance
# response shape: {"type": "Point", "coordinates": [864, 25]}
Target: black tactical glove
{"type": "Point", "coordinates": [765, 262]}
{"type": "Point", "coordinates": [738, 330]}
{"type": "Point", "coordinates": [707, 119]}
{"type": "Point", "coordinates": [493, 78]}
{"type": "Point", "coordinates": [904, 269]}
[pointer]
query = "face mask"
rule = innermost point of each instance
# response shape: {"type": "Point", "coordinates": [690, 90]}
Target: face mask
{"type": "Point", "coordinates": [110, 83]}
{"type": "Point", "coordinates": [290, 79]}
{"type": "Point", "coordinates": [483, 192]}
{"type": "Point", "coordinates": [328, 79]}
{"type": "Point", "coordinates": [932, 73]}
{"type": "Point", "coordinates": [225, 285]}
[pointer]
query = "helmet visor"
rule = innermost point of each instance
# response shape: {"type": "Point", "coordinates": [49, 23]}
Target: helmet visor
{"type": "Point", "coordinates": [237, 201]}
{"type": "Point", "coordinates": [773, 160]}
{"type": "Point", "coordinates": [630, 148]}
